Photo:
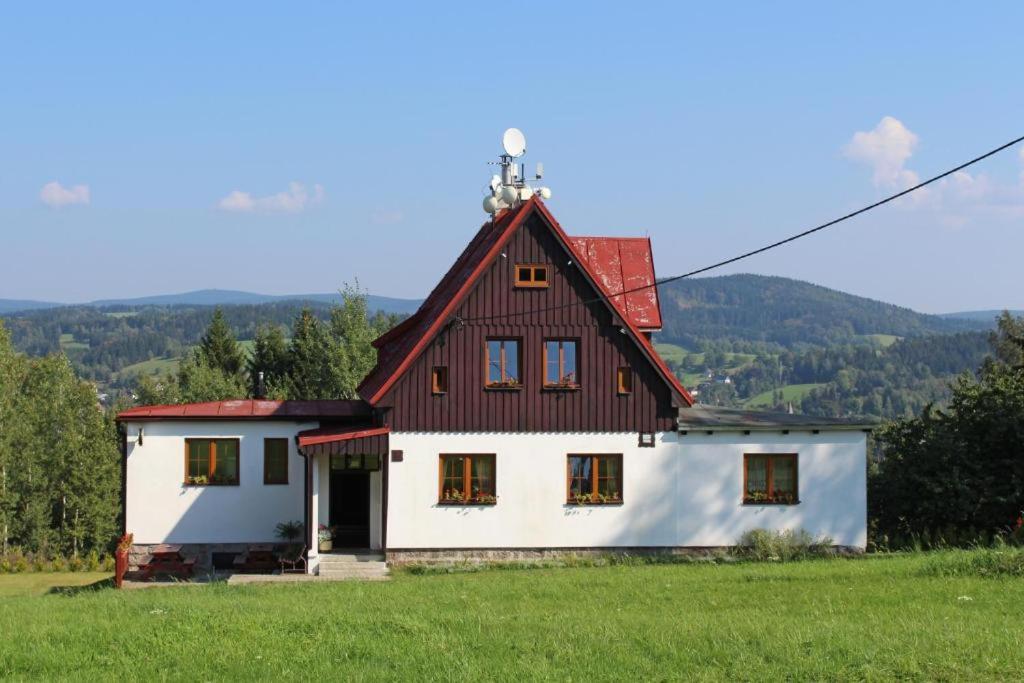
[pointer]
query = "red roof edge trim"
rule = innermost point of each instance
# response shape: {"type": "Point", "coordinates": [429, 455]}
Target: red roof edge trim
{"type": "Point", "coordinates": [453, 303]}
{"type": "Point", "coordinates": [638, 337]}
{"type": "Point", "coordinates": [313, 437]}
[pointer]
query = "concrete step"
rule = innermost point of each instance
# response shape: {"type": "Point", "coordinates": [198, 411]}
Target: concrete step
{"type": "Point", "coordinates": [351, 558]}
{"type": "Point", "coordinates": [369, 573]}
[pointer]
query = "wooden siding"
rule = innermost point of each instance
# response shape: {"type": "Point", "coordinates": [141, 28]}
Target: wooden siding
{"type": "Point", "coordinates": [366, 445]}
{"type": "Point", "coordinates": [467, 406]}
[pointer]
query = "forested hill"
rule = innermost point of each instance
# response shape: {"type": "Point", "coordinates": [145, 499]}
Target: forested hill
{"type": "Point", "coordinates": [787, 312]}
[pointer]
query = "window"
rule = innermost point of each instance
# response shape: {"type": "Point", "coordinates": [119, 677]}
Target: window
{"type": "Point", "coordinates": [770, 479]}
{"type": "Point", "coordinates": [439, 379]}
{"type": "Point", "coordinates": [503, 364]}
{"type": "Point", "coordinates": [624, 380]}
{"type": "Point", "coordinates": [560, 362]}
{"type": "Point", "coordinates": [531, 275]}
{"type": "Point", "coordinates": [211, 461]}
{"type": "Point", "coordinates": [275, 461]}
{"type": "Point", "coordinates": [467, 480]}
{"type": "Point", "coordinates": [594, 479]}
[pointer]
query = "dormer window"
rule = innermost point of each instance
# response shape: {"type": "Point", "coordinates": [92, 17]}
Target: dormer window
{"type": "Point", "coordinates": [531, 275]}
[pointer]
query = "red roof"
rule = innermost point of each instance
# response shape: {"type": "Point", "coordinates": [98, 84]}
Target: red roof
{"type": "Point", "coordinates": [312, 437]}
{"type": "Point", "coordinates": [249, 409]}
{"type": "Point", "coordinates": [399, 347]}
{"type": "Point", "coordinates": [624, 264]}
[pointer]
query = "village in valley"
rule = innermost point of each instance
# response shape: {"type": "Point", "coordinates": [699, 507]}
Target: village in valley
{"type": "Point", "coordinates": [645, 415]}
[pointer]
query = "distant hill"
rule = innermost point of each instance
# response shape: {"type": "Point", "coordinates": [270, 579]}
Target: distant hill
{"type": "Point", "coordinates": [788, 312]}
{"type": "Point", "coordinates": [217, 297]}
{"type": "Point", "coordinates": [981, 316]}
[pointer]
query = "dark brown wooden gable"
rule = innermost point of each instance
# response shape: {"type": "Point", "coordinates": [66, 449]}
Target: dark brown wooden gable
{"type": "Point", "coordinates": [468, 406]}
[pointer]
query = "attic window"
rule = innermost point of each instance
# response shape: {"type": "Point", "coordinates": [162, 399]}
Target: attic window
{"type": "Point", "coordinates": [439, 379]}
{"type": "Point", "coordinates": [531, 275]}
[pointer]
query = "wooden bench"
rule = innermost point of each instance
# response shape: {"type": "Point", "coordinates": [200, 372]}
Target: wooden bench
{"type": "Point", "coordinates": [259, 558]}
{"type": "Point", "coordinates": [167, 560]}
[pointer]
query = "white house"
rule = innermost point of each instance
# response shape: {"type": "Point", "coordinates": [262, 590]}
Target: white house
{"type": "Point", "coordinates": [521, 411]}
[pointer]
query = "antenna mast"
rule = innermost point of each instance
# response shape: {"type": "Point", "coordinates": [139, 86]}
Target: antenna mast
{"type": "Point", "coordinates": [509, 189]}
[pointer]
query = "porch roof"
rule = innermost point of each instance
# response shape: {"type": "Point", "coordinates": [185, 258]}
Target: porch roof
{"type": "Point", "coordinates": [334, 440]}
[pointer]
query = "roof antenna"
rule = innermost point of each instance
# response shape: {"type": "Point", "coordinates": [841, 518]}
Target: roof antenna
{"type": "Point", "coordinates": [509, 188]}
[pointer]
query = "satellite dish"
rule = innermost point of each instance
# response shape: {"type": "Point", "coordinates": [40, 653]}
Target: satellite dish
{"type": "Point", "coordinates": [495, 183]}
{"type": "Point", "coordinates": [514, 142]}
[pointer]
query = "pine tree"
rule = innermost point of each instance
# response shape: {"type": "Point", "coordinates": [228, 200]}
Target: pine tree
{"type": "Point", "coordinates": [218, 347]}
{"type": "Point", "coordinates": [309, 354]}
{"type": "Point", "coordinates": [269, 356]}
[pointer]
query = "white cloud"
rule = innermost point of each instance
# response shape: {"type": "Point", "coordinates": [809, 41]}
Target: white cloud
{"type": "Point", "coordinates": [55, 194]}
{"type": "Point", "coordinates": [296, 198]}
{"type": "Point", "coordinates": [886, 149]}
{"type": "Point", "coordinates": [955, 200]}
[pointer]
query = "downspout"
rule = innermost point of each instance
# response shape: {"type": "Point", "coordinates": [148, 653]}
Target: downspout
{"type": "Point", "coordinates": [307, 488]}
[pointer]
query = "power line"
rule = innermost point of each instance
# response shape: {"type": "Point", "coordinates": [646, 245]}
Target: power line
{"type": "Point", "coordinates": [763, 249]}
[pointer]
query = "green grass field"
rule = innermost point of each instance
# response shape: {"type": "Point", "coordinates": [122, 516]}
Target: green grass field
{"type": "Point", "coordinates": [154, 366]}
{"type": "Point", "coordinates": [876, 618]}
{"type": "Point", "coordinates": [790, 392]}
{"type": "Point", "coordinates": [68, 343]}
{"type": "Point", "coordinates": [883, 340]}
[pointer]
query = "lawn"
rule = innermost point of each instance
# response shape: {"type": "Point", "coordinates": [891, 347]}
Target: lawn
{"type": "Point", "coordinates": [790, 392]}
{"type": "Point", "coordinates": [875, 618]}
{"type": "Point", "coordinates": [154, 366]}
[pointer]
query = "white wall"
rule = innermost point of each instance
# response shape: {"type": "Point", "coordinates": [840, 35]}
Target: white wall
{"type": "Point", "coordinates": [160, 508]}
{"type": "Point", "coordinates": [686, 491]}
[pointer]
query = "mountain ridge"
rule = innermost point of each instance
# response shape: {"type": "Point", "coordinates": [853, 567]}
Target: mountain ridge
{"type": "Point", "coordinates": [212, 297]}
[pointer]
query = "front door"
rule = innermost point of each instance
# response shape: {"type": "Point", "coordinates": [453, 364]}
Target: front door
{"type": "Point", "coordinates": [349, 512]}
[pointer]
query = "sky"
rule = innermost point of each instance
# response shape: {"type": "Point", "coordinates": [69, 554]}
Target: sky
{"type": "Point", "coordinates": [289, 148]}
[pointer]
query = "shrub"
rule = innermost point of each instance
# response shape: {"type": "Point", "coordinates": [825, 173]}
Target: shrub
{"type": "Point", "coordinates": [107, 562]}
{"type": "Point", "coordinates": [782, 546]}
{"type": "Point", "coordinates": [92, 561]}
{"type": "Point", "coordinates": [58, 564]}
{"type": "Point", "coordinates": [75, 564]}
{"type": "Point", "coordinates": [987, 562]}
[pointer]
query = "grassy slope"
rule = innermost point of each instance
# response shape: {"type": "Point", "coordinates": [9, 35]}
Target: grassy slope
{"type": "Point", "coordinates": [875, 618]}
{"type": "Point", "coordinates": [33, 584]}
{"type": "Point", "coordinates": [790, 392]}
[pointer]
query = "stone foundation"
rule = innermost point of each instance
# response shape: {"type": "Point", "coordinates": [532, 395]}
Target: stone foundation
{"type": "Point", "coordinates": [141, 553]}
{"type": "Point", "coordinates": [402, 556]}
{"type": "Point", "coordinates": [483, 555]}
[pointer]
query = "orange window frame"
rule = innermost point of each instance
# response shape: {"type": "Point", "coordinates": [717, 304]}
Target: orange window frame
{"type": "Point", "coordinates": [504, 382]}
{"type": "Point", "coordinates": [770, 460]}
{"type": "Point", "coordinates": [439, 379]}
{"type": "Point", "coordinates": [624, 380]}
{"type": "Point", "coordinates": [213, 462]}
{"type": "Point", "coordinates": [561, 363]}
{"type": "Point", "coordinates": [595, 478]}
{"type": "Point", "coordinates": [467, 477]}
{"type": "Point", "coordinates": [532, 269]}
{"type": "Point", "coordinates": [267, 479]}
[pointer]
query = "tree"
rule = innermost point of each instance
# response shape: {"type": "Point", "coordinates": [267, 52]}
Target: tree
{"type": "Point", "coordinates": [310, 360]}
{"type": "Point", "coordinates": [269, 356]}
{"type": "Point", "coordinates": [199, 381]}
{"type": "Point", "coordinates": [218, 347]}
{"type": "Point", "coordinates": [352, 355]}
{"type": "Point", "coordinates": [958, 471]}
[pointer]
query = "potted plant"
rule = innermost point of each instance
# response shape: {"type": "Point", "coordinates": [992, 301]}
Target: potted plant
{"type": "Point", "coordinates": [289, 532]}
{"type": "Point", "coordinates": [325, 538]}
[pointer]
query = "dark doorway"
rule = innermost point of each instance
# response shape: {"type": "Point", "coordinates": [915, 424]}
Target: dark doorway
{"type": "Point", "coordinates": [349, 512]}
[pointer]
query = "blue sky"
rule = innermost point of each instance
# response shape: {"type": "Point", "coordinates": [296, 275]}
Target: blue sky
{"type": "Point", "coordinates": [356, 138]}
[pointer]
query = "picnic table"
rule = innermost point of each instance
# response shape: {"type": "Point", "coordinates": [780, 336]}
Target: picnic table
{"type": "Point", "coordinates": [259, 557]}
{"type": "Point", "coordinates": [166, 559]}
